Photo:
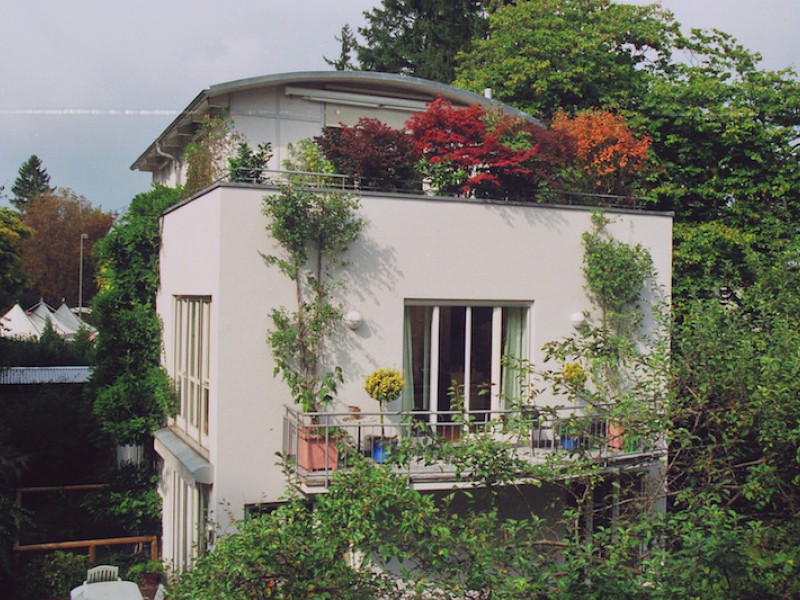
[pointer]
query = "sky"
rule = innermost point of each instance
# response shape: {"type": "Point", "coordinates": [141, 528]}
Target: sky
{"type": "Point", "coordinates": [86, 85]}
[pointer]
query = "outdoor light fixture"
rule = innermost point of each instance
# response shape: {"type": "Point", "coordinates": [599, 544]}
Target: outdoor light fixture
{"type": "Point", "coordinates": [353, 320]}
{"type": "Point", "coordinates": [578, 320]}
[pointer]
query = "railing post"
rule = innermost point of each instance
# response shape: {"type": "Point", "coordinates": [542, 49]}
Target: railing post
{"type": "Point", "coordinates": [154, 549]}
{"type": "Point", "coordinates": [92, 554]}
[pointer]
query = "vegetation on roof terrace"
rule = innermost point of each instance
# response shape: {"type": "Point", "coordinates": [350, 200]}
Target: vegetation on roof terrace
{"type": "Point", "coordinates": [592, 158]}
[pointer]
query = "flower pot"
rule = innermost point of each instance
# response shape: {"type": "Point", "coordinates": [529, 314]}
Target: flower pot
{"type": "Point", "coordinates": [569, 442]}
{"type": "Point", "coordinates": [382, 449]}
{"type": "Point", "coordinates": [315, 452]}
{"type": "Point", "coordinates": [615, 436]}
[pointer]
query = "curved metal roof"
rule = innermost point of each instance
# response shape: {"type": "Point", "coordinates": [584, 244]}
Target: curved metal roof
{"type": "Point", "coordinates": [369, 82]}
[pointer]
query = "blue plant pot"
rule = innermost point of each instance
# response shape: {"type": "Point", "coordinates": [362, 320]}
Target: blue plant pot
{"type": "Point", "coordinates": [569, 443]}
{"type": "Point", "coordinates": [382, 449]}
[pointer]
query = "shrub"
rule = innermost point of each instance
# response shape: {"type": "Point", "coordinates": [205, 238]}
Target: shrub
{"type": "Point", "coordinates": [382, 157]}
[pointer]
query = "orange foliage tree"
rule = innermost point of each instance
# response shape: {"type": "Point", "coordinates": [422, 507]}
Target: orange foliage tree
{"type": "Point", "coordinates": [609, 157]}
{"type": "Point", "coordinates": [51, 256]}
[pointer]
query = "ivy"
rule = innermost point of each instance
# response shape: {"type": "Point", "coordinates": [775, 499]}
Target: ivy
{"type": "Point", "coordinates": [616, 275]}
{"type": "Point", "coordinates": [206, 156]}
{"type": "Point", "coordinates": [132, 391]}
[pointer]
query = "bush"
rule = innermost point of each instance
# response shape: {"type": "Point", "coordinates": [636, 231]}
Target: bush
{"type": "Point", "coordinates": [382, 157]}
{"type": "Point", "coordinates": [51, 576]}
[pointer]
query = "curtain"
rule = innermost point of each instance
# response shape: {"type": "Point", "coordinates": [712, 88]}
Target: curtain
{"type": "Point", "coordinates": [417, 357]}
{"type": "Point", "coordinates": [408, 361]}
{"type": "Point", "coordinates": [513, 350]}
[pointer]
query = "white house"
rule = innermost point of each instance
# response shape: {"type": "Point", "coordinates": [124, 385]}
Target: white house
{"type": "Point", "coordinates": [434, 286]}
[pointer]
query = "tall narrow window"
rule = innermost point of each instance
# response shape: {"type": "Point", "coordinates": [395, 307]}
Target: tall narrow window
{"type": "Point", "coordinates": [458, 351]}
{"type": "Point", "coordinates": [192, 359]}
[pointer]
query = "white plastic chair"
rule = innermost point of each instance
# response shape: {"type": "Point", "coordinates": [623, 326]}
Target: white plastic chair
{"type": "Point", "coordinates": [102, 573]}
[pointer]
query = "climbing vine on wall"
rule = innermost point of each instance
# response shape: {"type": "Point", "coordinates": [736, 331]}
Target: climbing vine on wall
{"type": "Point", "coordinates": [314, 230]}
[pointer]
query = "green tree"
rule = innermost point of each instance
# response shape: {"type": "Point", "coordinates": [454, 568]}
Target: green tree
{"type": "Point", "coordinates": [348, 42]}
{"type": "Point", "coordinates": [313, 231]}
{"type": "Point", "coordinates": [420, 38]}
{"type": "Point", "coordinates": [723, 129]}
{"type": "Point", "coordinates": [248, 165]}
{"type": "Point", "coordinates": [32, 180]}
{"type": "Point", "coordinates": [724, 132]}
{"type": "Point", "coordinates": [133, 392]}
{"type": "Point", "coordinates": [548, 55]}
{"type": "Point", "coordinates": [12, 276]}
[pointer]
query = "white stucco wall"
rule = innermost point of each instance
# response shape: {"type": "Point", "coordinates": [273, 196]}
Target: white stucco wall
{"type": "Point", "coordinates": [410, 249]}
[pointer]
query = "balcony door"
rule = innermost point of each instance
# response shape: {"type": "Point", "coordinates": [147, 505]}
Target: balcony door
{"type": "Point", "coordinates": [455, 351]}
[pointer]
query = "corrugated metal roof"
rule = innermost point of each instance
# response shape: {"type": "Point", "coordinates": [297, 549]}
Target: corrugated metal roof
{"type": "Point", "coordinates": [33, 375]}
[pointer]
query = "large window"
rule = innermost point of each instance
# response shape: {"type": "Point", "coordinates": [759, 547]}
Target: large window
{"type": "Point", "coordinates": [461, 347]}
{"type": "Point", "coordinates": [191, 360]}
{"type": "Point", "coordinates": [188, 536]}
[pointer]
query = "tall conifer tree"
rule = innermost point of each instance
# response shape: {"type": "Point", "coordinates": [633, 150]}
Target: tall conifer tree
{"type": "Point", "coordinates": [32, 180]}
{"type": "Point", "coordinates": [421, 38]}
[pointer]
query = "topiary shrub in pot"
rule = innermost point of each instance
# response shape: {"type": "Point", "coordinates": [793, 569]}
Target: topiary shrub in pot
{"type": "Point", "coordinates": [384, 385]}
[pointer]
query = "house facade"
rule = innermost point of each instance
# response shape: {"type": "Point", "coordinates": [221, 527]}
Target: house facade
{"type": "Point", "coordinates": [438, 288]}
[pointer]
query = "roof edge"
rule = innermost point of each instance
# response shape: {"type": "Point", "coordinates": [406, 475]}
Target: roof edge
{"type": "Point", "coordinates": [414, 84]}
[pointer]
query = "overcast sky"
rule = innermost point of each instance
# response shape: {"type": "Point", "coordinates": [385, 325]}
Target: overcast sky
{"type": "Point", "coordinates": [137, 64]}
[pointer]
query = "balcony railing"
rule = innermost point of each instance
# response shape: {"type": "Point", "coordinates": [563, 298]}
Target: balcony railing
{"type": "Point", "coordinates": [338, 181]}
{"type": "Point", "coordinates": [318, 444]}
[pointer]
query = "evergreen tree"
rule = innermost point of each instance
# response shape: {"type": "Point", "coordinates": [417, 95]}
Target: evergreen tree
{"type": "Point", "coordinates": [348, 43]}
{"type": "Point", "coordinates": [421, 38]}
{"type": "Point", "coordinates": [32, 180]}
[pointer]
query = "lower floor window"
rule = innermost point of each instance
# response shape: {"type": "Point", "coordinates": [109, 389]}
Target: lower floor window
{"type": "Point", "coordinates": [466, 351]}
{"type": "Point", "coordinates": [189, 517]}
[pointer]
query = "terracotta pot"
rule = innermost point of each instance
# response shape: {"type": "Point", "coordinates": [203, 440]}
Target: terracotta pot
{"type": "Point", "coordinates": [615, 435]}
{"type": "Point", "coordinates": [314, 452]}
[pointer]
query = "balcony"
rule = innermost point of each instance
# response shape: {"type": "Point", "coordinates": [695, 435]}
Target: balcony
{"type": "Point", "coordinates": [420, 444]}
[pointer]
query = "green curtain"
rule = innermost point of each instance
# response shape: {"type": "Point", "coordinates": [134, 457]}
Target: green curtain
{"type": "Point", "coordinates": [513, 350]}
{"type": "Point", "coordinates": [408, 361]}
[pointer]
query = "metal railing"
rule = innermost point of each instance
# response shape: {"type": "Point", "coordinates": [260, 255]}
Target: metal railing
{"type": "Point", "coordinates": [339, 181]}
{"type": "Point", "coordinates": [318, 444]}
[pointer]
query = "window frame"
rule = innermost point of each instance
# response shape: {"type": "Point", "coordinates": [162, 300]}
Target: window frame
{"type": "Point", "coordinates": [192, 364]}
{"type": "Point", "coordinates": [496, 393]}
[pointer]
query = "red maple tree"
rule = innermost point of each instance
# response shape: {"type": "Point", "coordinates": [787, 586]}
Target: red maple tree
{"type": "Point", "coordinates": [380, 156]}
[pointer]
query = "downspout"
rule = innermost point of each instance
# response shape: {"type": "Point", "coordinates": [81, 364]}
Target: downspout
{"type": "Point", "coordinates": [172, 160]}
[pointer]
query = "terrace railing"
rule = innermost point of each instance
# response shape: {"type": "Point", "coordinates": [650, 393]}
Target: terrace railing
{"type": "Point", "coordinates": [318, 444]}
{"type": "Point", "coordinates": [338, 181]}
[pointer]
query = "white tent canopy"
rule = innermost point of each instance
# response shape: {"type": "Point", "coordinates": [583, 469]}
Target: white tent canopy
{"type": "Point", "coordinates": [18, 323]}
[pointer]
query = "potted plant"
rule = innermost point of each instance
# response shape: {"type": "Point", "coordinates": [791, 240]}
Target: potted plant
{"type": "Point", "coordinates": [314, 230]}
{"type": "Point", "coordinates": [148, 573]}
{"type": "Point", "coordinates": [383, 385]}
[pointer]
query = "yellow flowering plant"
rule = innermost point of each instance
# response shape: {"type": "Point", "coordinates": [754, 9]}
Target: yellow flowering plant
{"type": "Point", "coordinates": [574, 375]}
{"type": "Point", "coordinates": [384, 385]}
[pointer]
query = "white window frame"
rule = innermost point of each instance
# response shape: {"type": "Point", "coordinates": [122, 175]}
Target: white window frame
{"type": "Point", "coordinates": [496, 403]}
{"type": "Point", "coordinates": [191, 365]}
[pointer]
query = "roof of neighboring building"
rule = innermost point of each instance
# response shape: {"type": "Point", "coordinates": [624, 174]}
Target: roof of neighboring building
{"type": "Point", "coordinates": [38, 375]}
{"type": "Point", "coordinates": [366, 83]}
